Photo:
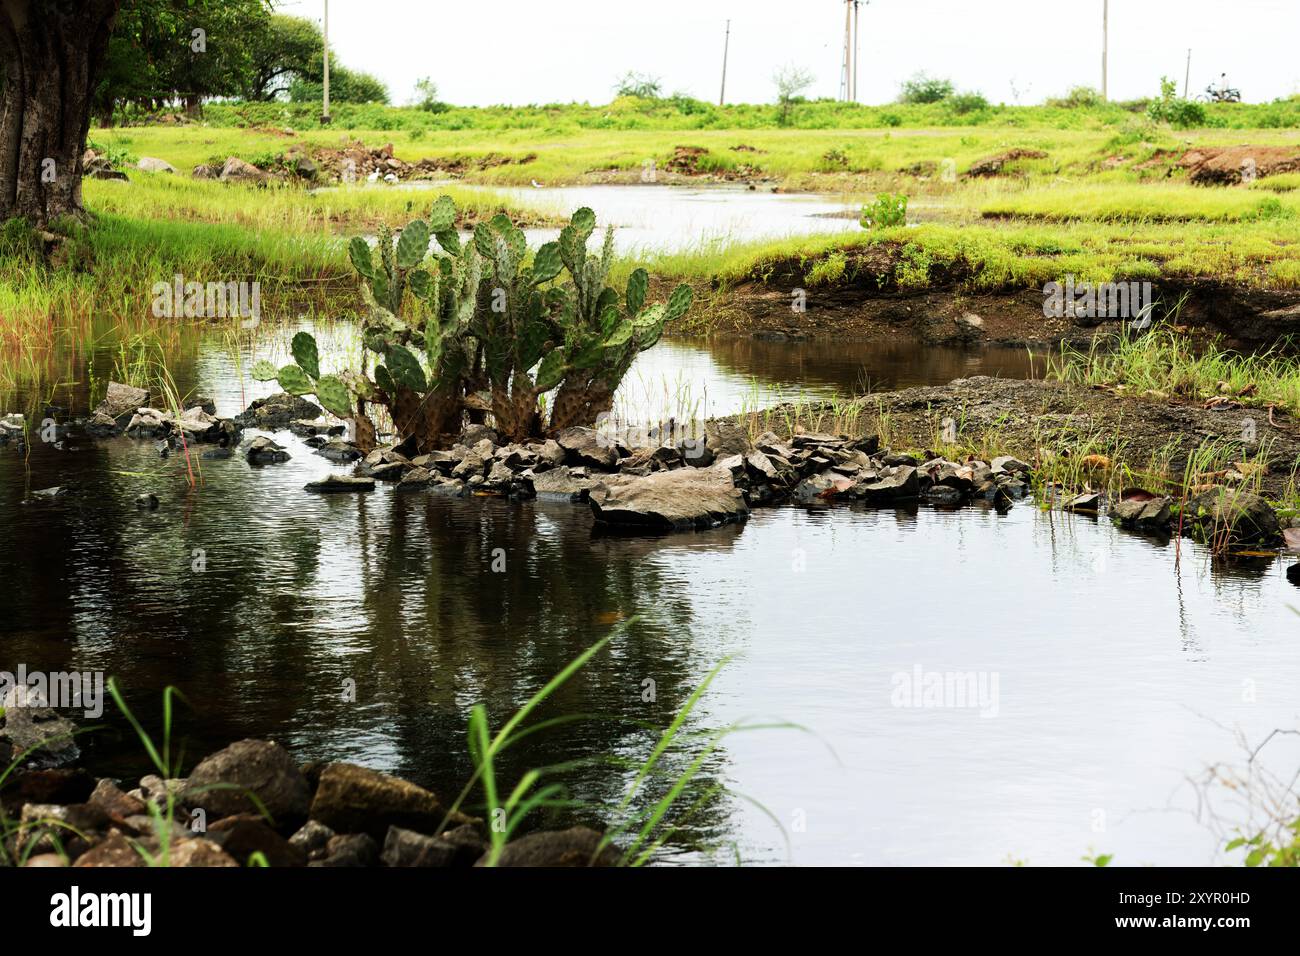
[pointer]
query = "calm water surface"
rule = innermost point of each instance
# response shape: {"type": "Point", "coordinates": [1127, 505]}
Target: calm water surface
{"type": "Point", "coordinates": [1119, 671]}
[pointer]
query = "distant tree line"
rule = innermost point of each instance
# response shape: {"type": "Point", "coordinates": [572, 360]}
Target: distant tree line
{"type": "Point", "coordinates": [172, 53]}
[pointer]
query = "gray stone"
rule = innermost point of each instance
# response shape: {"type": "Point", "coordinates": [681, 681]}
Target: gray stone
{"type": "Point", "coordinates": [586, 446]}
{"type": "Point", "coordinates": [151, 164]}
{"type": "Point", "coordinates": [1152, 514]}
{"type": "Point", "coordinates": [900, 484]}
{"type": "Point", "coordinates": [669, 500]}
{"type": "Point", "coordinates": [122, 401]}
{"type": "Point", "coordinates": [1235, 515]}
{"type": "Point", "coordinates": [559, 482]}
{"type": "Point", "coordinates": [263, 451]}
{"type": "Point", "coordinates": [31, 725]}
{"type": "Point", "coordinates": [408, 848]}
{"type": "Point", "coordinates": [237, 170]}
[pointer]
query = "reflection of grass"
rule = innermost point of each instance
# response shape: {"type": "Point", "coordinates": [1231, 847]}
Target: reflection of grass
{"type": "Point", "coordinates": [641, 833]}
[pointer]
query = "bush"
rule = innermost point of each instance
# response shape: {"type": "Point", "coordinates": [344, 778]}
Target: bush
{"type": "Point", "coordinates": [963, 103]}
{"type": "Point", "coordinates": [923, 88]}
{"type": "Point", "coordinates": [1079, 97]}
{"type": "Point", "coordinates": [887, 211]}
{"type": "Point", "coordinates": [1173, 109]}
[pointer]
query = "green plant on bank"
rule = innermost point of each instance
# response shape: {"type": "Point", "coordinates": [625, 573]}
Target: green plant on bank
{"type": "Point", "coordinates": [888, 210]}
{"type": "Point", "coordinates": [481, 316]}
{"type": "Point", "coordinates": [1173, 109]}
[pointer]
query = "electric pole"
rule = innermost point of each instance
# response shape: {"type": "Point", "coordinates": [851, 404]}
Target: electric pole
{"type": "Point", "coordinates": [855, 51]}
{"type": "Point", "coordinates": [726, 43]}
{"type": "Point", "coordinates": [1187, 74]}
{"type": "Point", "coordinates": [1105, 40]}
{"type": "Point", "coordinates": [325, 100]}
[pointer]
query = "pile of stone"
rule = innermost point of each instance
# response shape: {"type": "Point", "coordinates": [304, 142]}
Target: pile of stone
{"type": "Point", "coordinates": [95, 165]}
{"type": "Point", "coordinates": [680, 484]}
{"type": "Point", "coordinates": [253, 802]}
{"type": "Point", "coordinates": [1221, 516]}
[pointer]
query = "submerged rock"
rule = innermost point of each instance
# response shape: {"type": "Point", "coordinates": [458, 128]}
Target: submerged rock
{"type": "Point", "coordinates": [121, 402]}
{"type": "Point", "coordinates": [276, 412]}
{"type": "Point", "coordinates": [669, 500]}
{"type": "Point", "coordinates": [1143, 514]}
{"type": "Point", "coordinates": [341, 483]}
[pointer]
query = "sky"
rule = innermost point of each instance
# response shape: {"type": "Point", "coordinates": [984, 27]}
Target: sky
{"type": "Point", "coordinates": [1013, 51]}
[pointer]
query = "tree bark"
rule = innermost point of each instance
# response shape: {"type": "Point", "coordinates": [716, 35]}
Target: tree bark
{"type": "Point", "coordinates": [51, 52]}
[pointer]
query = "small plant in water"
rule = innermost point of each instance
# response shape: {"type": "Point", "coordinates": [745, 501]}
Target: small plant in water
{"type": "Point", "coordinates": [889, 210]}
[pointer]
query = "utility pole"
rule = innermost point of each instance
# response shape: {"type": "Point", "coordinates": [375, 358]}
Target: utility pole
{"type": "Point", "coordinates": [855, 51]}
{"type": "Point", "coordinates": [1105, 41]}
{"type": "Point", "coordinates": [726, 43]}
{"type": "Point", "coordinates": [846, 62]}
{"type": "Point", "coordinates": [1187, 75]}
{"type": "Point", "coordinates": [325, 102]}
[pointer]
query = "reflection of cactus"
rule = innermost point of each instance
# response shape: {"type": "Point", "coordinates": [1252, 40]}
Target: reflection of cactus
{"type": "Point", "coordinates": [485, 315]}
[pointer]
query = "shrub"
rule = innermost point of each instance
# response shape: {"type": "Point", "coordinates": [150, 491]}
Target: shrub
{"type": "Point", "coordinates": [887, 211]}
{"type": "Point", "coordinates": [922, 88]}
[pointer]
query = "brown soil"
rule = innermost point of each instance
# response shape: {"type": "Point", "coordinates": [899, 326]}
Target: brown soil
{"type": "Point", "coordinates": [1026, 418]}
{"type": "Point", "coordinates": [994, 165]}
{"type": "Point", "coordinates": [1223, 167]}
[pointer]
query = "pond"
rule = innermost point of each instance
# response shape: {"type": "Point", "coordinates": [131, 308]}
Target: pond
{"type": "Point", "coordinates": [1103, 669]}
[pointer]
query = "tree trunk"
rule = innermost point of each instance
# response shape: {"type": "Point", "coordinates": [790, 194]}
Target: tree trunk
{"type": "Point", "coordinates": [51, 52]}
{"type": "Point", "coordinates": [430, 420]}
{"type": "Point", "coordinates": [580, 402]}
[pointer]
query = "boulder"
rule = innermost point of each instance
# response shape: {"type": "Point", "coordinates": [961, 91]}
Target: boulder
{"type": "Point", "coordinates": [221, 783]}
{"type": "Point", "coordinates": [669, 500]}
{"type": "Point", "coordinates": [312, 838]}
{"type": "Point", "coordinates": [1233, 516]}
{"type": "Point", "coordinates": [586, 446]}
{"type": "Point", "coordinates": [151, 164]}
{"type": "Point", "coordinates": [725, 438]}
{"type": "Point", "coordinates": [237, 170]}
{"type": "Point", "coordinates": [122, 401]}
{"type": "Point", "coordinates": [116, 805]}
{"type": "Point", "coordinates": [559, 482]}
{"type": "Point", "coordinates": [578, 846]}
{"type": "Point", "coordinates": [353, 799]}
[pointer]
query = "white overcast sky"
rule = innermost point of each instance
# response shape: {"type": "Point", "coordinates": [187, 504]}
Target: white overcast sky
{"type": "Point", "coordinates": [483, 52]}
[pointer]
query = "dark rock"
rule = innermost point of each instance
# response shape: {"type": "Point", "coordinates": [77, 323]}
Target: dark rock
{"type": "Point", "coordinates": [415, 480]}
{"type": "Point", "coordinates": [257, 767]}
{"type": "Point", "coordinates": [1233, 516]}
{"type": "Point", "coordinates": [473, 434]}
{"type": "Point", "coordinates": [900, 484]}
{"type": "Point", "coordinates": [243, 835]}
{"type": "Point", "coordinates": [725, 438]}
{"type": "Point", "coordinates": [943, 495]}
{"type": "Point", "coordinates": [578, 846]}
{"type": "Point", "coordinates": [1143, 514]}
{"type": "Point", "coordinates": [353, 799]}
{"type": "Point", "coordinates": [349, 850]}
{"type": "Point", "coordinates": [340, 483]}
{"type": "Point", "coordinates": [559, 482]}
{"type": "Point", "coordinates": [308, 428]}
{"type": "Point", "coordinates": [1009, 464]}
{"type": "Point", "coordinates": [669, 500]}
{"type": "Point", "coordinates": [1088, 503]}
{"type": "Point", "coordinates": [276, 412]}
{"type": "Point", "coordinates": [338, 450]}
{"type": "Point", "coordinates": [312, 838]}
{"type": "Point", "coordinates": [263, 451]}
{"type": "Point", "coordinates": [149, 502]}
{"type": "Point", "coordinates": [408, 848]}
{"type": "Point", "coordinates": [116, 804]}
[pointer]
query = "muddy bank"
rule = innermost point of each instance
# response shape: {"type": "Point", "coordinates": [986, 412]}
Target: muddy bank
{"type": "Point", "coordinates": [868, 303]}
